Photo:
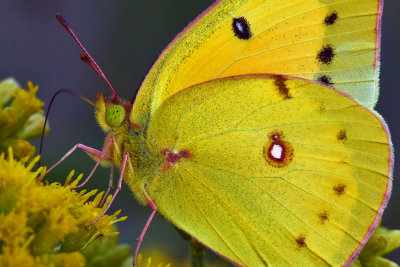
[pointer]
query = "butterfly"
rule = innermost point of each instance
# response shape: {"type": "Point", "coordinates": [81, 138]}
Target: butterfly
{"type": "Point", "coordinates": [254, 132]}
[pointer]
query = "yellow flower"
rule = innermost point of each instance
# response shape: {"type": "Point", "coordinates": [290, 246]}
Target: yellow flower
{"type": "Point", "coordinates": [46, 224]}
{"type": "Point", "coordinates": [157, 255]}
{"type": "Point", "coordinates": [107, 252]}
{"type": "Point", "coordinates": [21, 117]}
{"type": "Point", "coordinates": [162, 258]}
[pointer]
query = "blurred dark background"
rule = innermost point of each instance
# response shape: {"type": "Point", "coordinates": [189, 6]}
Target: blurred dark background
{"type": "Point", "coordinates": [125, 37]}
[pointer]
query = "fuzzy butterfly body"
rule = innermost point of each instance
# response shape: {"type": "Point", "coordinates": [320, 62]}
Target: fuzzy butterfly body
{"type": "Point", "coordinates": [263, 168]}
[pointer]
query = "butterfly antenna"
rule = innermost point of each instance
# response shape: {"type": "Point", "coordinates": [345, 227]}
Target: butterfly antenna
{"type": "Point", "coordinates": [81, 97]}
{"type": "Point", "coordinates": [87, 58]}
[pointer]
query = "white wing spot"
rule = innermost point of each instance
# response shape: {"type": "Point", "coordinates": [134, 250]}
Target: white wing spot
{"type": "Point", "coordinates": [276, 151]}
{"type": "Point", "coordinates": [239, 26]}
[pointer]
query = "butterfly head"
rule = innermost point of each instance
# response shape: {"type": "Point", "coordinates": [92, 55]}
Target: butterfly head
{"type": "Point", "coordinates": [110, 115]}
{"type": "Point", "coordinates": [115, 115]}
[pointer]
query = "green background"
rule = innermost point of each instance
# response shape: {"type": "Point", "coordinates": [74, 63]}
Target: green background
{"type": "Point", "coordinates": [125, 37]}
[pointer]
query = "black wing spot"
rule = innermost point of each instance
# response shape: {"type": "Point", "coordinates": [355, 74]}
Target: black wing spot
{"type": "Point", "coordinates": [331, 18]}
{"type": "Point", "coordinates": [241, 28]}
{"type": "Point", "coordinates": [325, 79]}
{"type": "Point", "coordinates": [326, 54]}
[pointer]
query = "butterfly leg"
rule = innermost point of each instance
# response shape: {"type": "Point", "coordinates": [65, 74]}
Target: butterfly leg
{"type": "Point", "coordinates": [89, 150]}
{"type": "Point", "coordinates": [101, 157]}
{"type": "Point", "coordinates": [110, 186]}
{"type": "Point", "coordinates": [126, 156]}
{"type": "Point", "coordinates": [154, 207]}
{"type": "Point", "coordinates": [92, 151]}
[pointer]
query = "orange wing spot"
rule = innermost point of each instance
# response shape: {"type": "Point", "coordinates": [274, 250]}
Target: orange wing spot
{"type": "Point", "coordinates": [173, 158]}
{"type": "Point", "coordinates": [339, 189]}
{"type": "Point", "coordinates": [301, 242]}
{"type": "Point", "coordinates": [323, 216]}
{"type": "Point", "coordinates": [280, 83]}
{"type": "Point", "coordinates": [342, 135]}
{"type": "Point", "coordinates": [277, 152]}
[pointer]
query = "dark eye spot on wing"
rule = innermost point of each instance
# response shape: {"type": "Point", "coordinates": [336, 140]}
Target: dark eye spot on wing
{"type": "Point", "coordinates": [278, 152]}
{"type": "Point", "coordinates": [326, 54]}
{"type": "Point", "coordinates": [331, 18]}
{"type": "Point", "coordinates": [325, 79]}
{"type": "Point", "coordinates": [241, 28]}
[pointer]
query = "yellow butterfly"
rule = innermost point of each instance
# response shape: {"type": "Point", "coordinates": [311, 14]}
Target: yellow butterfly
{"type": "Point", "coordinates": [261, 167]}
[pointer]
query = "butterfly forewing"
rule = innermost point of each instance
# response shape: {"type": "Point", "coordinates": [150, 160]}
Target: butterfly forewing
{"type": "Point", "coordinates": [335, 42]}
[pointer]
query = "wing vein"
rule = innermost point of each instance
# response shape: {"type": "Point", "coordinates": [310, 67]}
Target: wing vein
{"type": "Point", "coordinates": [272, 197]}
{"type": "Point", "coordinates": [273, 126]}
{"type": "Point", "coordinates": [223, 202]}
{"type": "Point", "coordinates": [299, 42]}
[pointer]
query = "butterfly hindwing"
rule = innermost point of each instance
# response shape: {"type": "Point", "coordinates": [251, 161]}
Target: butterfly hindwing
{"type": "Point", "coordinates": [272, 170]}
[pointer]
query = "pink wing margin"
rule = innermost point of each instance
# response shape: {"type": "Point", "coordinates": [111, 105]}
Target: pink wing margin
{"type": "Point", "coordinates": [188, 27]}
{"type": "Point", "coordinates": [378, 30]}
{"type": "Point", "coordinates": [173, 41]}
{"type": "Point", "coordinates": [378, 216]}
{"type": "Point", "coordinates": [385, 200]}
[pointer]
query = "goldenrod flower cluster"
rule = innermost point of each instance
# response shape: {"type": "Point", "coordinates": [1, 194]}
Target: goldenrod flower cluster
{"type": "Point", "coordinates": [46, 224]}
{"type": "Point", "coordinates": [21, 117]}
{"type": "Point", "coordinates": [41, 223]}
{"type": "Point", "coordinates": [157, 255]}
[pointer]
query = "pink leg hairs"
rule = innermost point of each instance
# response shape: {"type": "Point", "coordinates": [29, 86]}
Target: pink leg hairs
{"type": "Point", "coordinates": [100, 155]}
{"type": "Point", "coordinates": [92, 151]}
{"type": "Point", "coordinates": [110, 186]}
{"type": "Point", "coordinates": [126, 156]}
{"type": "Point", "coordinates": [153, 206]}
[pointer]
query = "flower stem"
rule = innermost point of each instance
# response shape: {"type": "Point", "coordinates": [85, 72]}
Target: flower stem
{"type": "Point", "coordinates": [196, 249]}
{"type": "Point", "coordinates": [196, 253]}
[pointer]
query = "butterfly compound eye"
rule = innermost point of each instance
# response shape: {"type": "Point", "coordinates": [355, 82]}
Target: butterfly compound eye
{"type": "Point", "coordinates": [115, 114]}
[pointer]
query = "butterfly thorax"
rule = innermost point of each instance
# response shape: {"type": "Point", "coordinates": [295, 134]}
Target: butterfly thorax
{"type": "Point", "coordinates": [129, 137]}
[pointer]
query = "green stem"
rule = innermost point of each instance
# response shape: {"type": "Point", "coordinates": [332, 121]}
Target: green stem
{"type": "Point", "coordinates": [196, 249]}
{"type": "Point", "coordinates": [196, 253]}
